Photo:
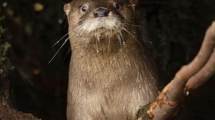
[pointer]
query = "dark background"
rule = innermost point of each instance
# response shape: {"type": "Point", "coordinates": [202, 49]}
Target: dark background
{"type": "Point", "coordinates": [175, 28]}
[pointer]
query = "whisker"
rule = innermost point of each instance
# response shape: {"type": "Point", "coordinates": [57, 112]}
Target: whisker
{"type": "Point", "coordinates": [70, 35]}
{"type": "Point", "coordinates": [58, 41]}
{"type": "Point", "coordinates": [56, 53]}
{"type": "Point", "coordinates": [133, 25]}
{"type": "Point", "coordinates": [119, 39]}
{"type": "Point", "coordinates": [122, 38]}
{"type": "Point", "coordinates": [128, 32]}
{"type": "Point", "coordinates": [109, 42]}
{"type": "Point", "coordinates": [97, 40]}
{"type": "Point", "coordinates": [132, 35]}
{"type": "Point", "coordinates": [62, 38]}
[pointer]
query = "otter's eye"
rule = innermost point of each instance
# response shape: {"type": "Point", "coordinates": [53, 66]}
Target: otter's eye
{"type": "Point", "coordinates": [116, 5]}
{"type": "Point", "coordinates": [84, 8]}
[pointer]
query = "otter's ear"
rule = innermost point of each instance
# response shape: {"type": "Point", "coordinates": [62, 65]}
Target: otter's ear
{"type": "Point", "coordinates": [67, 8]}
{"type": "Point", "coordinates": [134, 3]}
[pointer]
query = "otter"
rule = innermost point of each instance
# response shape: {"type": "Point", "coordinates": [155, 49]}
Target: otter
{"type": "Point", "coordinates": [110, 75]}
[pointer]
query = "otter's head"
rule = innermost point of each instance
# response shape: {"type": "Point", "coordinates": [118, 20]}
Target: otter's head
{"type": "Point", "coordinates": [89, 18]}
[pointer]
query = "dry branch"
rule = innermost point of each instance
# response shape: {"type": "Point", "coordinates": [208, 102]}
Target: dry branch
{"type": "Point", "coordinates": [189, 77]}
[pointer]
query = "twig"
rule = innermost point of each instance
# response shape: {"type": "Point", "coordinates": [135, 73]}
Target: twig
{"type": "Point", "coordinates": [189, 77]}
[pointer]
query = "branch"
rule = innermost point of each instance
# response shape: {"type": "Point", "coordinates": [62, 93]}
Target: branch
{"type": "Point", "coordinates": [187, 79]}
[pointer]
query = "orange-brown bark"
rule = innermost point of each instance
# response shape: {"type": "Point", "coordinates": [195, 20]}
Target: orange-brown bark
{"type": "Point", "coordinates": [188, 78]}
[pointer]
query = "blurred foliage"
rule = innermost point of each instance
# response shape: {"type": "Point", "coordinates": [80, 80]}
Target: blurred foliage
{"type": "Point", "coordinates": [31, 29]}
{"type": "Point", "coordinates": [5, 63]}
{"type": "Point", "coordinates": [2, 30]}
{"type": "Point", "coordinates": [6, 111]}
{"type": "Point", "coordinates": [38, 7]}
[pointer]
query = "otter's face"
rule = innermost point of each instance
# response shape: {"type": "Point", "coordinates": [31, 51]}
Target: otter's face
{"type": "Point", "coordinates": [88, 17]}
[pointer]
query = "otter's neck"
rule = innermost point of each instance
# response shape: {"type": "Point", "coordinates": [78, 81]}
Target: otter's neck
{"type": "Point", "coordinates": [123, 65]}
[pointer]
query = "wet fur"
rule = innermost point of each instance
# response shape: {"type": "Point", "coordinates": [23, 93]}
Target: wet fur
{"type": "Point", "coordinates": [110, 76]}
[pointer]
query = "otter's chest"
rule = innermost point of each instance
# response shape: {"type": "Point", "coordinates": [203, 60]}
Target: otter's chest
{"type": "Point", "coordinates": [111, 88]}
{"type": "Point", "coordinates": [115, 71]}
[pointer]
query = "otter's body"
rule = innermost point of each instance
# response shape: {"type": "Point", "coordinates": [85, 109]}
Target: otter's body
{"type": "Point", "coordinates": [110, 77]}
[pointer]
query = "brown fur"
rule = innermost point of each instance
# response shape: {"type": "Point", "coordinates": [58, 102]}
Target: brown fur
{"type": "Point", "coordinates": [109, 79]}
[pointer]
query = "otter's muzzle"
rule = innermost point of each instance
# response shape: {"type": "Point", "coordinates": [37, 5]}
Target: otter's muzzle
{"type": "Point", "coordinates": [101, 12]}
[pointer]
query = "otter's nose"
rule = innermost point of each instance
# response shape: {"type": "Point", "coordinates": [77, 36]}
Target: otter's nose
{"type": "Point", "coordinates": [101, 12]}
